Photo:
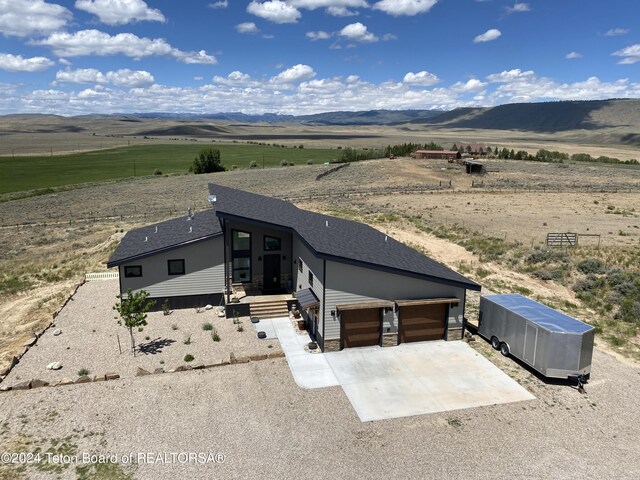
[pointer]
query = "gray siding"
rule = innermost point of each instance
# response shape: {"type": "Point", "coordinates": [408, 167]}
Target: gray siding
{"type": "Point", "coordinates": [301, 279]}
{"type": "Point", "coordinates": [351, 284]}
{"type": "Point", "coordinates": [204, 271]}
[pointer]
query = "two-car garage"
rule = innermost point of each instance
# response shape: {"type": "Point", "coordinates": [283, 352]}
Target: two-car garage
{"type": "Point", "coordinates": [362, 324]}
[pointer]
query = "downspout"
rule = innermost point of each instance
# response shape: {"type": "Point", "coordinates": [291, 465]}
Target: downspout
{"type": "Point", "coordinates": [226, 264]}
{"type": "Point", "coordinates": [324, 296]}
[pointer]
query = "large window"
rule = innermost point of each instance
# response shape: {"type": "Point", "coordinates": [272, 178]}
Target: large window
{"type": "Point", "coordinates": [300, 265]}
{"type": "Point", "coordinates": [132, 271]}
{"type": "Point", "coordinates": [272, 244]}
{"type": "Point", "coordinates": [241, 256]}
{"type": "Point", "coordinates": [310, 279]}
{"type": "Point", "coordinates": [175, 267]}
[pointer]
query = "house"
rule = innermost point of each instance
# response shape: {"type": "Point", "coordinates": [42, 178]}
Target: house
{"type": "Point", "coordinates": [449, 155]}
{"type": "Point", "coordinates": [355, 285]}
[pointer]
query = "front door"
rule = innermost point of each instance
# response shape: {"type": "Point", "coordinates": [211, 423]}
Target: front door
{"type": "Point", "coordinates": [271, 272]}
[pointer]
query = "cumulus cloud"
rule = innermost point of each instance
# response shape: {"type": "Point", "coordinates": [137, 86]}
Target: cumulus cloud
{"type": "Point", "coordinates": [296, 74]}
{"type": "Point", "coordinates": [423, 79]}
{"type": "Point", "coordinates": [120, 12]}
{"type": "Point", "coordinates": [488, 36]}
{"type": "Point", "coordinates": [573, 55]}
{"type": "Point", "coordinates": [630, 54]}
{"type": "Point", "coordinates": [342, 12]}
{"type": "Point", "coordinates": [247, 27]}
{"type": "Point", "coordinates": [614, 32]}
{"type": "Point", "coordinates": [21, 18]}
{"type": "Point", "coordinates": [404, 7]}
{"type": "Point", "coordinates": [519, 7]}
{"type": "Point", "coordinates": [95, 42]}
{"type": "Point", "coordinates": [121, 78]}
{"type": "Point", "coordinates": [319, 35]}
{"type": "Point", "coordinates": [471, 85]}
{"type": "Point", "coordinates": [276, 11]}
{"type": "Point", "coordinates": [358, 32]}
{"type": "Point", "coordinates": [17, 63]}
{"type": "Point", "coordinates": [220, 4]}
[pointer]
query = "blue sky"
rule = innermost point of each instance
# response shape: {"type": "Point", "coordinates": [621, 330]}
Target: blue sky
{"type": "Point", "coordinates": [307, 56]}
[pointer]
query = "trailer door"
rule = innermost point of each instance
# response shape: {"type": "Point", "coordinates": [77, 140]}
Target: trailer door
{"type": "Point", "coordinates": [530, 344]}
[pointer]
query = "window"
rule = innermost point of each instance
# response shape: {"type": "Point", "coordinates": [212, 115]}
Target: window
{"type": "Point", "coordinates": [132, 271]}
{"type": "Point", "coordinates": [300, 265]}
{"type": "Point", "coordinates": [272, 244]}
{"type": "Point", "coordinates": [310, 279]}
{"type": "Point", "coordinates": [241, 256]}
{"type": "Point", "coordinates": [176, 267]}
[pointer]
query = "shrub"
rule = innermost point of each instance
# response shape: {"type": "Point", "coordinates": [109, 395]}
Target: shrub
{"type": "Point", "coordinates": [174, 326]}
{"type": "Point", "coordinates": [207, 327]}
{"type": "Point", "coordinates": [189, 358]}
{"type": "Point", "coordinates": [544, 256]}
{"type": "Point", "coordinates": [157, 172]}
{"type": "Point", "coordinates": [215, 336]}
{"type": "Point", "coordinates": [482, 273]}
{"type": "Point", "coordinates": [591, 265]}
{"type": "Point", "coordinates": [82, 372]}
{"type": "Point", "coordinates": [284, 163]}
{"type": "Point", "coordinates": [309, 162]}
{"type": "Point", "coordinates": [234, 167]}
{"type": "Point", "coordinates": [253, 164]}
{"type": "Point", "coordinates": [207, 161]}
{"type": "Point", "coordinates": [187, 341]}
{"type": "Point", "coordinates": [166, 310]}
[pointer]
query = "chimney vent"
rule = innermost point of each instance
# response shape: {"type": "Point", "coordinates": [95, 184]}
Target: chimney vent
{"type": "Point", "coordinates": [146, 238]}
{"type": "Point", "coordinates": [190, 229]}
{"type": "Point", "coordinates": [327, 223]}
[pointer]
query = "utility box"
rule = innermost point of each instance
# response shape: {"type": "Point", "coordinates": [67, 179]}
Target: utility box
{"type": "Point", "coordinates": [554, 344]}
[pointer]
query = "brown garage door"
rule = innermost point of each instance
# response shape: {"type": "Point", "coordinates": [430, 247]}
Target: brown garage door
{"type": "Point", "coordinates": [419, 323]}
{"type": "Point", "coordinates": [360, 328]}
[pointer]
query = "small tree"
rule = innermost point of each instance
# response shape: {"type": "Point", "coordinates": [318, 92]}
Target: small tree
{"type": "Point", "coordinates": [207, 161]}
{"type": "Point", "coordinates": [133, 312]}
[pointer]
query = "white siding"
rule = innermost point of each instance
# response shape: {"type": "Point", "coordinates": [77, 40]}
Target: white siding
{"type": "Point", "coordinates": [301, 279]}
{"type": "Point", "coordinates": [351, 284]}
{"type": "Point", "coordinates": [204, 271]}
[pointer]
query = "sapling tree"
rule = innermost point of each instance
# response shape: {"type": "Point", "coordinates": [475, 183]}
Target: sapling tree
{"type": "Point", "coordinates": [133, 311]}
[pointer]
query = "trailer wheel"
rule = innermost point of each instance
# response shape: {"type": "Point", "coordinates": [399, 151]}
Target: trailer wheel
{"type": "Point", "coordinates": [495, 343]}
{"type": "Point", "coordinates": [504, 349]}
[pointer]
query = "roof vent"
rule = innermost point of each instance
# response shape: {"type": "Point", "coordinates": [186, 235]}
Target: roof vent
{"type": "Point", "coordinates": [212, 199]}
{"type": "Point", "coordinates": [156, 229]}
{"type": "Point", "coordinates": [189, 214]}
{"type": "Point", "coordinates": [327, 223]}
{"type": "Point", "coordinates": [146, 238]}
{"type": "Point", "coordinates": [190, 229]}
{"type": "Point", "coordinates": [386, 238]}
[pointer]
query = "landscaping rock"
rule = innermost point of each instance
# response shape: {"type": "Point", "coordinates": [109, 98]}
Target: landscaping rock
{"type": "Point", "coordinates": [99, 378]}
{"type": "Point", "coordinates": [159, 370]}
{"type": "Point", "coordinates": [5, 388]}
{"type": "Point", "coordinates": [57, 332]}
{"type": "Point", "coordinates": [182, 368]}
{"type": "Point", "coordinates": [111, 376]}
{"type": "Point", "coordinates": [31, 342]}
{"type": "Point", "coordinates": [141, 372]}
{"type": "Point", "coordinates": [54, 366]}
{"type": "Point", "coordinates": [39, 383]}
{"type": "Point", "coordinates": [199, 366]}
{"type": "Point", "coordinates": [232, 358]}
{"type": "Point", "coordinates": [243, 359]}
{"type": "Point", "coordinates": [24, 351]}
{"type": "Point", "coordinates": [83, 379]}
{"type": "Point", "coordinates": [257, 358]}
{"type": "Point", "coordinates": [66, 381]}
{"type": "Point", "coordinates": [208, 307]}
{"type": "Point", "coordinates": [5, 371]}
{"type": "Point", "coordinates": [276, 354]}
{"type": "Point", "coordinates": [22, 385]}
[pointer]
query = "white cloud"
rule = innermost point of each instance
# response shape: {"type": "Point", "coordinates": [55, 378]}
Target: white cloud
{"type": "Point", "coordinates": [342, 12]}
{"type": "Point", "coordinates": [313, 4]}
{"type": "Point", "coordinates": [120, 12]}
{"type": "Point", "coordinates": [247, 27]}
{"type": "Point", "coordinates": [358, 33]}
{"type": "Point", "coordinates": [296, 74]}
{"type": "Point", "coordinates": [405, 7]}
{"type": "Point", "coordinates": [95, 42]}
{"type": "Point", "coordinates": [507, 76]}
{"type": "Point", "coordinates": [17, 63]}
{"type": "Point", "coordinates": [488, 36]}
{"type": "Point", "coordinates": [573, 55]}
{"type": "Point", "coordinates": [319, 35]}
{"type": "Point", "coordinates": [198, 78]}
{"type": "Point", "coordinates": [389, 36]}
{"type": "Point", "coordinates": [471, 85]}
{"type": "Point", "coordinates": [21, 18]}
{"type": "Point", "coordinates": [423, 79]}
{"type": "Point", "coordinates": [121, 78]}
{"type": "Point", "coordinates": [236, 79]}
{"type": "Point", "coordinates": [276, 11]}
{"type": "Point", "coordinates": [220, 4]}
{"type": "Point", "coordinates": [64, 61]}
{"type": "Point", "coordinates": [519, 7]}
{"type": "Point", "coordinates": [630, 54]}
{"type": "Point", "coordinates": [614, 32]}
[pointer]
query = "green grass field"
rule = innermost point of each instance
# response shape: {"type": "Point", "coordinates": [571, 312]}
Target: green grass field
{"type": "Point", "coordinates": [29, 173]}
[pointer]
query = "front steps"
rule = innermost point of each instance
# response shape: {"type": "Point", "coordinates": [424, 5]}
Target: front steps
{"type": "Point", "coordinates": [269, 309]}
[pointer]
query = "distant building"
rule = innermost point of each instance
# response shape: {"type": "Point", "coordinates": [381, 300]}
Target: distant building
{"type": "Point", "coordinates": [448, 155]}
{"type": "Point", "coordinates": [474, 148]}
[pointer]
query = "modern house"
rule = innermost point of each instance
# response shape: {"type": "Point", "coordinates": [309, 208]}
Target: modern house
{"type": "Point", "coordinates": [448, 155]}
{"type": "Point", "coordinates": [355, 285]}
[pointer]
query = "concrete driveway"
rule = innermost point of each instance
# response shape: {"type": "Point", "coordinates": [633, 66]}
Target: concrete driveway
{"type": "Point", "coordinates": [420, 378]}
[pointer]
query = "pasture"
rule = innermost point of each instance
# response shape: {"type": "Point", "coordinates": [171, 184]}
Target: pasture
{"type": "Point", "coordinates": [41, 172]}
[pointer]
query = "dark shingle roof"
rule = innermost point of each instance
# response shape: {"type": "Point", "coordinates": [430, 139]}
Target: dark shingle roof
{"type": "Point", "coordinates": [343, 240]}
{"type": "Point", "coordinates": [170, 234]}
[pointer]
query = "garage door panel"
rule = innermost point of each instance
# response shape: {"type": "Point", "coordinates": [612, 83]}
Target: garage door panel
{"type": "Point", "coordinates": [360, 328]}
{"type": "Point", "coordinates": [419, 323]}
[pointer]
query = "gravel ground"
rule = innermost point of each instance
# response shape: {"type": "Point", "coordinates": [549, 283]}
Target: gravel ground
{"type": "Point", "coordinates": [89, 340]}
{"type": "Point", "coordinates": [267, 427]}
